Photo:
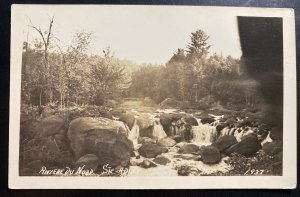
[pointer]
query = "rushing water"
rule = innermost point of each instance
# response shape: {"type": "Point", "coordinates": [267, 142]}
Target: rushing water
{"type": "Point", "coordinates": [134, 133]}
{"type": "Point", "coordinates": [203, 134]}
{"type": "Point", "coordinates": [158, 131]}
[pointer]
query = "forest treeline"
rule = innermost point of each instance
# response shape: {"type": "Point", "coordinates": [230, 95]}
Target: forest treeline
{"type": "Point", "coordinates": [57, 75]}
{"type": "Point", "coordinates": [193, 75]}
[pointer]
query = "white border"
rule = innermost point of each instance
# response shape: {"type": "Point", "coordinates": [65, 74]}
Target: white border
{"type": "Point", "coordinates": [287, 181]}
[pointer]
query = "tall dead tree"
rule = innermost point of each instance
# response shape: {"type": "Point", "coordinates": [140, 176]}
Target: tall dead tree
{"type": "Point", "coordinates": [46, 40]}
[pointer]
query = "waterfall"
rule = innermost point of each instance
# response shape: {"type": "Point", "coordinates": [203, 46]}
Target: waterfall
{"type": "Point", "coordinates": [224, 131]}
{"type": "Point", "coordinates": [158, 131]}
{"type": "Point", "coordinates": [203, 134]}
{"type": "Point", "coordinates": [267, 139]}
{"type": "Point", "coordinates": [134, 133]}
{"type": "Point", "coordinates": [243, 132]}
{"type": "Point", "coordinates": [232, 130]}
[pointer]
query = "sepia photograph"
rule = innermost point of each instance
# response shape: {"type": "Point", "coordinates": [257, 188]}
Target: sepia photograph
{"type": "Point", "coordinates": [180, 93]}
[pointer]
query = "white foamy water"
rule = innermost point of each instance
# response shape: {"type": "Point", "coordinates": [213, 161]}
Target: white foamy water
{"type": "Point", "coordinates": [267, 139]}
{"type": "Point", "coordinates": [134, 134]}
{"type": "Point", "coordinates": [166, 111]}
{"type": "Point", "coordinates": [197, 167]}
{"type": "Point", "coordinates": [158, 131]}
{"type": "Point", "coordinates": [203, 134]}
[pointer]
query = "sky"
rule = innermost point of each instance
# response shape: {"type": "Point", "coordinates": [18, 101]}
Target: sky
{"type": "Point", "coordinates": [142, 34]}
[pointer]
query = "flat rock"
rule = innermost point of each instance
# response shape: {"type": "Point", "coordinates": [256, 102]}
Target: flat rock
{"type": "Point", "coordinates": [247, 147]}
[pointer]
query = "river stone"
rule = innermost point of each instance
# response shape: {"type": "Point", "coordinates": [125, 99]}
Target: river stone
{"type": "Point", "coordinates": [89, 161]}
{"type": "Point", "coordinates": [99, 136]}
{"type": "Point", "coordinates": [127, 119]}
{"type": "Point", "coordinates": [220, 126]}
{"type": "Point", "coordinates": [248, 135]}
{"type": "Point", "coordinates": [188, 149]}
{"type": "Point", "coordinates": [272, 148]}
{"type": "Point", "coordinates": [150, 150]}
{"type": "Point", "coordinates": [147, 164]}
{"type": "Point", "coordinates": [207, 120]}
{"type": "Point", "coordinates": [166, 142]}
{"type": "Point", "coordinates": [51, 125]}
{"type": "Point", "coordinates": [144, 123]}
{"type": "Point", "coordinates": [210, 155]}
{"type": "Point", "coordinates": [161, 160]}
{"type": "Point", "coordinates": [147, 132]}
{"type": "Point", "coordinates": [165, 121]}
{"type": "Point", "coordinates": [247, 147]}
{"type": "Point", "coordinates": [142, 140]}
{"type": "Point", "coordinates": [224, 142]}
{"type": "Point", "coordinates": [190, 121]}
{"type": "Point", "coordinates": [177, 138]}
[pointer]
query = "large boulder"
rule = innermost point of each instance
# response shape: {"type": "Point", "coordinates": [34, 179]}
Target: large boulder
{"type": "Point", "coordinates": [51, 125]}
{"type": "Point", "coordinates": [150, 150]}
{"type": "Point", "coordinates": [272, 148]}
{"type": "Point", "coordinates": [128, 119]}
{"type": "Point", "coordinates": [89, 161]}
{"type": "Point", "coordinates": [224, 142]}
{"type": "Point", "coordinates": [210, 155]}
{"type": "Point", "coordinates": [101, 137]}
{"type": "Point", "coordinates": [29, 128]}
{"type": "Point", "coordinates": [247, 147]}
{"type": "Point", "coordinates": [165, 119]}
{"type": "Point", "coordinates": [166, 142]}
{"type": "Point", "coordinates": [189, 149]}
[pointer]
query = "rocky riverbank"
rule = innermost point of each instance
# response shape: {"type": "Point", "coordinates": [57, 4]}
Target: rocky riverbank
{"type": "Point", "coordinates": [148, 141]}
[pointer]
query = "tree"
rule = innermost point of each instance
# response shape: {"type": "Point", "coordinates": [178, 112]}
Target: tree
{"type": "Point", "coordinates": [46, 37]}
{"type": "Point", "coordinates": [198, 45]}
{"type": "Point", "coordinates": [106, 77]}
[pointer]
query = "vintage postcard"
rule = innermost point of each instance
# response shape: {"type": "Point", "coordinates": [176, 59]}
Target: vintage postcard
{"type": "Point", "coordinates": [152, 97]}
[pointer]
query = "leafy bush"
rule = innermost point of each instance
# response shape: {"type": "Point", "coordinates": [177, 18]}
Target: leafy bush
{"type": "Point", "coordinates": [260, 164]}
